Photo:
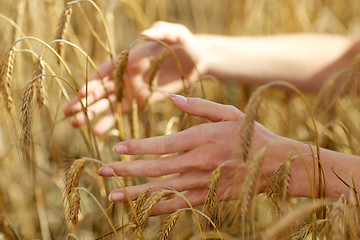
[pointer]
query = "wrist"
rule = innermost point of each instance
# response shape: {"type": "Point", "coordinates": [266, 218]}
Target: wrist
{"type": "Point", "coordinates": [208, 53]}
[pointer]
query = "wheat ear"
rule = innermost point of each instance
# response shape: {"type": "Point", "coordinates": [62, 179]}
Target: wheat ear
{"type": "Point", "coordinates": [251, 113]}
{"type": "Point", "coordinates": [281, 179]}
{"type": "Point", "coordinates": [139, 204]}
{"type": "Point", "coordinates": [248, 185]}
{"type": "Point", "coordinates": [352, 221]}
{"type": "Point", "coordinates": [26, 119]}
{"type": "Point", "coordinates": [149, 204]}
{"type": "Point", "coordinates": [209, 208]}
{"type": "Point", "coordinates": [7, 68]}
{"type": "Point", "coordinates": [61, 28]}
{"type": "Point", "coordinates": [337, 220]}
{"type": "Point", "coordinates": [72, 194]}
{"type": "Point", "coordinates": [39, 70]}
{"type": "Point", "coordinates": [155, 70]}
{"type": "Point", "coordinates": [168, 226]}
{"type": "Point", "coordinates": [119, 74]}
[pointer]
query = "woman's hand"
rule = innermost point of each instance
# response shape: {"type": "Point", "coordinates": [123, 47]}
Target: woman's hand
{"type": "Point", "coordinates": [178, 37]}
{"type": "Point", "coordinates": [202, 149]}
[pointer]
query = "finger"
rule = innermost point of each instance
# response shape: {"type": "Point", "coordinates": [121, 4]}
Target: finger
{"type": "Point", "coordinates": [170, 33]}
{"type": "Point", "coordinates": [153, 167]}
{"type": "Point", "coordinates": [104, 70]}
{"type": "Point", "coordinates": [176, 142]}
{"type": "Point", "coordinates": [195, 197]}
{"type": "Point", "coordinates": [95, 91]}
{"type": "Point", "coordinates": [97, 88]}
{"type": "Point", "coordinates": [179, 183]}
{"type": "Point", "coordinates": [118, 195]}
{"type": "Point", "coordinates": [104, 124]}
{"type": "Point", "coordinates": [206, 109]}
{"type": "Point", "coordinates": [92, 111]}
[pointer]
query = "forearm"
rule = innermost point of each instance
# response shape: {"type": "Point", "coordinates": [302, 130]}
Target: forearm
{"type": "Point", "coordinates": [304, 169]}
{"type": "Point", "coordinates": [304, 60]}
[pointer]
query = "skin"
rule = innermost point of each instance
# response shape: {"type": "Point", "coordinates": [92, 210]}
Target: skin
{"type": "Point", "coordinates": [304, 60]}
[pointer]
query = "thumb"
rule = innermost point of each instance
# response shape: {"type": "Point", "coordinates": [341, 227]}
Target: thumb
{"type": "Point", "coordinates": [206, 109]}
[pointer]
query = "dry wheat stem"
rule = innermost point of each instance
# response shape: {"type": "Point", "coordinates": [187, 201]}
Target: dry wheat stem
{"type": "Point", "coordinates": [103, 21]}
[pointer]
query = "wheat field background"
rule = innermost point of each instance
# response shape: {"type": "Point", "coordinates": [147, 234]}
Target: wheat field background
{"type": "Point", "coordinates": [49, 187]}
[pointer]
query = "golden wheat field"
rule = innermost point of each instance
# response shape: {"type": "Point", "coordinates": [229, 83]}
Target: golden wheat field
{"type": "Point", "coordinates": [49, 185]}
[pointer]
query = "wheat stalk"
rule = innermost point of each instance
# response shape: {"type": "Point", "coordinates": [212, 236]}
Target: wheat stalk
{"type": "Point", "coordinates": [7, 67]}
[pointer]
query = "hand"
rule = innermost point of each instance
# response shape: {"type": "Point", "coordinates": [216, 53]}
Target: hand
{"type": "Point", "coordinates": [137, 75]}
{"type": "Point", "coordinates": [202, 149]}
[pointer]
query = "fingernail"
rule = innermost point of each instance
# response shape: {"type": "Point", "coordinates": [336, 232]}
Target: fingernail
{"type": "Point", "coordinates": [116, 197]}
{"type": "Point", "coordinates": [120, 148]}
{"type": "Point", "coordinates": [104, 171]}
{"type": "Point", "coordinates": [178, 98]}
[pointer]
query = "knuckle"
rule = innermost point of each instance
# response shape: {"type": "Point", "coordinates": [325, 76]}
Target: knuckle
{"type": "Point", "coordinates": [208, 165]}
